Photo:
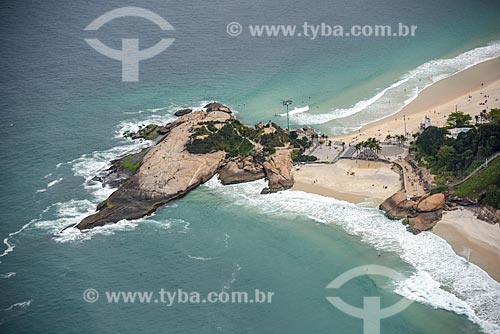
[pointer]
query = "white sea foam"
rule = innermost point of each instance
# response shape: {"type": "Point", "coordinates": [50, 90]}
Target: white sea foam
{"type": "Point", "coordinates": [393, 98]}
{"type": "Point", "coordinates": [295, 111]}
{"type": "Point", "coordinates": [199, 258]}
{"type": "Point", "coordinates": [53, 183]}
{"type": "Point", "coordinates": [152, 116]}
{"type": "Point", "coordinates": [87, 166]}
{"type": "Point", "coordinates": [8, 275]}
{"type": "Point", "coordinates": [71, 212]}
{"type": "Point", "coordinates": [18, 305]}
{"type": "Point", "coordinates": [50, 184]}
{"type": "Point", "coordinates": [181, 223]}
{"type": "Point", "coordinates": [442, 279]}
{"type": "Point", "coordinates": [75, 235]}
{"type": "Point", "coordinates": [7, 241]}
{"type": "Point", "coordinates": [90, 165]}
{"type": "Point", "coordinates": [63, 216]}
{"type": "Point", "coordinates": [234, 275]}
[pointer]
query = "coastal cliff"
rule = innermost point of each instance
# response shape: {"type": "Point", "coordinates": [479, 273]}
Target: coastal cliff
{"type": "Point", "coordinates": [192, 150]}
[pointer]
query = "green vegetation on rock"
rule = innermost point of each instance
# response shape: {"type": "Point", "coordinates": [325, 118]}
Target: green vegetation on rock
{"type": "Point", "coordinates": [209, 138]}
{"type": "Point", "coordinates": [237, 139]}
{"type": "Point", "coordinates": [131, 163]}
{"type": "Point", "coordinates": [483, 186]}
{"type": "Point", "coordinates": [149, 132]}
{"type": "Point", "coordinates": [452, 159]}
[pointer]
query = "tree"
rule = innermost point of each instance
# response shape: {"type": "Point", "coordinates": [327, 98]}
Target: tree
{"type": "Point", "coordinates": [358, 147]}
{"type": "Point", "coordinates": [400, 138]}
{"type": "Point", "coordinates": [458, 119]}
{"type": "Point", "coordinates": [322, 139]}
{"type": "Point", "coordinates": [431, 139]}
{"type": "Point", "coordinates": [445, 155]}
{"type": "Point", "coordinates": [483, 115]}
{"type": "Point", "coordinates": [494, 116]}
{"type": "Point", "coordinates": [313, 136]}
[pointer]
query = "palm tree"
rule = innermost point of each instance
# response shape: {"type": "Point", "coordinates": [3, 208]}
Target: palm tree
{"type": "Point", "coordinates": [313, 136]}
{"type": "Point", "coordinates": [377, 148]}
{"type": "Point", "coordinates": [401, 139]}
{"type": "Point", "coordinates": [322, 139]}
{"type": "Point", "coordinates": [484, 115]}
{"type": "Point", "coordinates": [358, 147]}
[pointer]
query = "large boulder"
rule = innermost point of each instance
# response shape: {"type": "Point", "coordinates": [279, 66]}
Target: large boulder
{"type": "Point", "coordinates": [278, 168]}
{"type": "Point", "coordinates": [238, 171]}
{"type": "Point", "coordinates": [431, 203]}
{"type": "Point", "coordinates": [183, 112]}
{"type": "Point", "coordinates": [215, 106]}
{"type": "Point", "coordinates": [424, 221]}
{"type": "Point", "coordinates": [398, 206]}
{"type": "Point", "coordinates": [419, 215]}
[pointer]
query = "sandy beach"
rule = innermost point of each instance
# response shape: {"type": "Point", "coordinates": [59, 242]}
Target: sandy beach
{"type": "Point", "coordinates": [470, 91]}
{"type": "Point", "coordinates": [472, 238]}
{"type": "Point", "coordinates": [354, 181]}
{"type": "Point", "coordinates": [439, 100]}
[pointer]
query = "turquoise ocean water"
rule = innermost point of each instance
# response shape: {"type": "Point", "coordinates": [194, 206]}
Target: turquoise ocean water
{"type": "Point", "coordinates": [63, 109]}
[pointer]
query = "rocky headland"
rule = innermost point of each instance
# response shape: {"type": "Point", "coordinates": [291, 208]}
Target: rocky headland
{"type": "Point", "coordinates": [190, 151]}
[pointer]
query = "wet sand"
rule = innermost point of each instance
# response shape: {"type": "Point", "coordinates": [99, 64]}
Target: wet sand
{"type": "Point", "coordinates": [472, 238]}
{"type": "Point", "coordinates": [439, 100]}
{"type": "Point", "coordinates": [350, 180]}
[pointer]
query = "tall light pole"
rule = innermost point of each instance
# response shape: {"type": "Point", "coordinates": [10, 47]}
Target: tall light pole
{"type": "Point", "coordinates": [404, 119]}
{"type": "Point", "coordinates": [286, 103]}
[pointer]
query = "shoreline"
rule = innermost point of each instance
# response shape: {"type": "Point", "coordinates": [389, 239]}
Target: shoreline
{"type": "Point", "coordinates": [471, 238]}
{"type": "Point", "coordinates": [355, 181]}
{"type": "Point", "coordinates": [438, 100]}
{"type": "Point", "coordinates": [464, 91]}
